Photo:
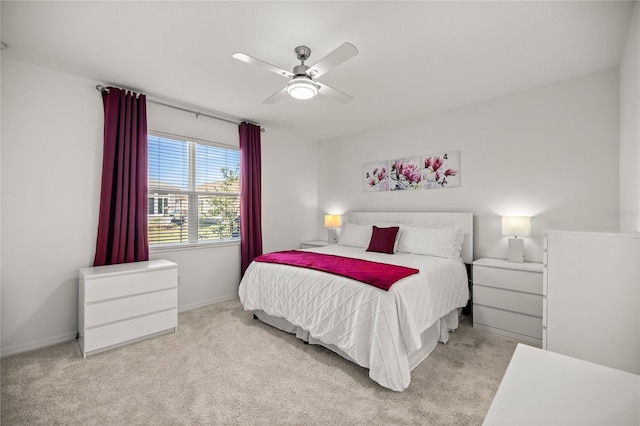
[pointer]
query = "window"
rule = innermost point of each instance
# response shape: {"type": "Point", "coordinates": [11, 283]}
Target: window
{"type": "Point", "coordinates": [194, 191]}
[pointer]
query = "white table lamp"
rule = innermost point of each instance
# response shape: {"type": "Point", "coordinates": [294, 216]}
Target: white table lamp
{"type": "Point", "coordinates": [516, 226]}
{"type": "Point", "coordinates": [332, 222]}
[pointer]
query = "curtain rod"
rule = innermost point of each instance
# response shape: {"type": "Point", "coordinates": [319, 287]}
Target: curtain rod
{"type": "Point", "coordinates": [101, 88]}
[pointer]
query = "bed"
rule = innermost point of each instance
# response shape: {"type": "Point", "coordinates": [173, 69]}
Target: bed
{"type": "Point", "coordinates": [388, 332]}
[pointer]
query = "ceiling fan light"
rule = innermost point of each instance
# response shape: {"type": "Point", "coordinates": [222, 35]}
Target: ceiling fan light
{"type": "Point", "coordinates": [302, 88]}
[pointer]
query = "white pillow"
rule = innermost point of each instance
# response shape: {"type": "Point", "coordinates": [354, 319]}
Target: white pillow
{"type": "Point", "coordinates": [440, 241]}
{"type": "Point", "coordinates": [355, 235]}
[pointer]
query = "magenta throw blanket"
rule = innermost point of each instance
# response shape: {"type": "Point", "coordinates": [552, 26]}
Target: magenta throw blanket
{"type": "Point", "coordinates": [381, 275]}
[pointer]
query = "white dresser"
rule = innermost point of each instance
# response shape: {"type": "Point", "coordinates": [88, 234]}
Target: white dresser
{"type": "Point", "coordinates": [507, 298]}
{"type": "Point", "coordinates": [128, 302]}
{"type": "Point", "coordinates": [592, 297]}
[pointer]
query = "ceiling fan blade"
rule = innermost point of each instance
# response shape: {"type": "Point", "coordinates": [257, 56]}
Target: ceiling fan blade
{"type": "Point", "coordinates": [332, 93]}
{"type": "Point", "coordinates": [254, 61]}
{"type": "Point", "coordinates": [280, 94]}
{"type": "Point", "coordinates": [332, 60]}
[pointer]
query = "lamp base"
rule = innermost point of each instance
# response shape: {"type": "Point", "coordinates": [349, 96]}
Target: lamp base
{"type": "Point", "coordinates": [333, 235]}
{"type": "Point", "coordinates": [516, 250]}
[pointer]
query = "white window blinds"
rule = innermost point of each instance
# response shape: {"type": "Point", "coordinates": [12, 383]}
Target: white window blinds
{"type": "Point", "coordinates": [194, 191]}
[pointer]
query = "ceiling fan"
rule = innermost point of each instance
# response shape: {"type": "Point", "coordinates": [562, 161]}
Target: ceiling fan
{"type": "Point", "coordinates": [302, 84]}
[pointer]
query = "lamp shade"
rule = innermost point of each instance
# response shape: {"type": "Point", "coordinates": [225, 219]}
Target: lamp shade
{"type": "Point", "coordinates": [331, 221]}
{"type": "Point", "coordinates": [516, 226]}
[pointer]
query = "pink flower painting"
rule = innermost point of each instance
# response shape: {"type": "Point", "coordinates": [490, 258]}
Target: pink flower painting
{"type": "Point", "coordinates": [405, 174]}
{"type": "Point", "coordinates": [376, 176]}
{"type": "Point", "coordinates": [441, 170]}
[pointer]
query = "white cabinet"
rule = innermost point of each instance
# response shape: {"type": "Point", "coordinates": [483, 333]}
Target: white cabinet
{"type": "Point", "coordinates": [127, 302]}
{"type": "Point", "coordinates": [507, 298]}
{"type": "Point", "coordinates": [592, 297]}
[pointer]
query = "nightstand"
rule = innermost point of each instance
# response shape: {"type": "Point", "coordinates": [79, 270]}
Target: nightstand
{"type": "Point", "coordinates": [311, 244]}
{"type": "Point", "coordinates": [507, 298]}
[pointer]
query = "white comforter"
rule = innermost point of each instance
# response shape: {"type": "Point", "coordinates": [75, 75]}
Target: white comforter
{"type": "Point", "coordinates": [375, 328]}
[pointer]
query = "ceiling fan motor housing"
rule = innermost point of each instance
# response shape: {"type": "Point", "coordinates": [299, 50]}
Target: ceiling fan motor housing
{"type": "Point", "coordinates": [300, 70]}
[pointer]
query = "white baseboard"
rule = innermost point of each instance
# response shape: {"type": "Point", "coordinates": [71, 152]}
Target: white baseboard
{"type": "Point", "coordinates": [220, 299]}
{"type": "Point", "coordinates": [67, 337]}
{"type": "Point", "coordinates": [30, 346]}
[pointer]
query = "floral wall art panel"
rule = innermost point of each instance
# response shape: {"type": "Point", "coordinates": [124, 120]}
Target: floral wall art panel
{"type": "Point", "coordinates": [405, 174]}
{"type": "Point", "coordinates": [441, 170]}
{"type": "Point", "coordinates": [375, 176]}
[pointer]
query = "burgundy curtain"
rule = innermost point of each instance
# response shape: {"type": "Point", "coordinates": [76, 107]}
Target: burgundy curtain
{"type": "Point", "coordinates": [122, 222]}
{"type": "Point", "coordinates": [250, 195]}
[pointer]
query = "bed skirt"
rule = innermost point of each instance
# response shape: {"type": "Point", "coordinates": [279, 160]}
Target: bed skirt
{"type": "Point", "coordinates": [438, 332]}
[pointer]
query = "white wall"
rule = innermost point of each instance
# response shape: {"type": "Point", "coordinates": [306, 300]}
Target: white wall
{"type": "Point", "coordinates": [51, 160]}
{"type": "Point", "coordinates": [550, 153]}
{"type": "Point", "coordinates": [289, 190]}
{"type": "Point", "coordinates": [630, 128]}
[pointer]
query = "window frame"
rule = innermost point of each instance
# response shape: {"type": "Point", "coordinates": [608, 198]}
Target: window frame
{"type": "Point", "coordinates": [192, 196]}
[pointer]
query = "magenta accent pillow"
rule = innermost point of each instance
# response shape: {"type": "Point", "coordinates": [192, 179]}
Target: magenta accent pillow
{"type": "Point", "coordinates": [383, 239]}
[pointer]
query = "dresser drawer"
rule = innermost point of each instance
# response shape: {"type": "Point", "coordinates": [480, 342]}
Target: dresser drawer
{"type": "Point", "coordinates": [525, 303]}
{"type": "Point", "coordinates": [103, 337]}
{"type": "Point", "coordinates": [99, 288]}
{"type": "Point", "coordinates": [508, 321]}
{"type": "Point", "coordinates": [530, 282]}
{"type": "Point", "coordinates": [120, 309]}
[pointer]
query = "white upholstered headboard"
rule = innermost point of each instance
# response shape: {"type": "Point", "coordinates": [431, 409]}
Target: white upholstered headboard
{"type": "Point", "coordinates": [462, 220]}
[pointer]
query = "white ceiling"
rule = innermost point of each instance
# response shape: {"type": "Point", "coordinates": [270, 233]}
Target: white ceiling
{"type": "Point", "coordinates": [415, 57]}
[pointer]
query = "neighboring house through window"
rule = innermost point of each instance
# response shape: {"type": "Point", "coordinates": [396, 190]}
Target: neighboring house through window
{"type": "Point", "coordinates": [194, 191]}
{"type": "Point", "coordinates": [158, 205]}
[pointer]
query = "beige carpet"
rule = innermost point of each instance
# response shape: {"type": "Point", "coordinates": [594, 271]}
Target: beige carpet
{"type": "Point", "coordinates": [224, 367]}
